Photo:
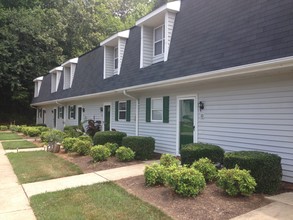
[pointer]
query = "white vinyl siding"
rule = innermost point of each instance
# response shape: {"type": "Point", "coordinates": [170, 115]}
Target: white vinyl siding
{"type": "Point", "coordinates": [122, 45]}
{"type": "Point", "coordinates": [72, 72]}
{"type": "Point", "coordinates": [37, 88]}
{"type": "Point", "coordinates": [169, 26]}
{"type": "Point", "coordinates": [67, 75]}
{"type": "Point", "coordinates": [146, 46]}
{"type": "Point", "coordinates": [109, 61]}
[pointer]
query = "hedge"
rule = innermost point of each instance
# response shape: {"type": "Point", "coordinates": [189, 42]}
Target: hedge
{"type": "Point", "coordinates": [265, 168]}
{"type": "Point", "coordinates": [192, 152]}
{"type": "Point", "coordinates": [142, 146]}
{"type": "Point", "coordinates": [103, 137]}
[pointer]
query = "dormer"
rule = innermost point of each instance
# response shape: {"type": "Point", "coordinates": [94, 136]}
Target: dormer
{"type": "Point", "coordinates": [156, 33]}
{"type": "Point", "coordinates": [114, 48]}
{"type": "Point", "coordinates": [38, 83]}
{"type": "Point", "coordinates": [68, 72]}
{"type": "Point", "coordinates": [55, 78]}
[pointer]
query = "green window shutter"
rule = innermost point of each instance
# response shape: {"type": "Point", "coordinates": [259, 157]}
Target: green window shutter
{"type": "Point", "coordinates": [62, 112]}
{"type": "Point", "coordinates": [74, 110]}
{"type": "Point", "coordinates": [148, 110]}
{"type": "Point", "coordinates": [116, 110]}
{"type": "Point", "coordinates": [128, 110]}
{"type": "Point", "coordinates": [58, 111]}
{"type": "Point", "coordinates": [68, 115]}
{"type": "Point", "coordinates": [166, 109]}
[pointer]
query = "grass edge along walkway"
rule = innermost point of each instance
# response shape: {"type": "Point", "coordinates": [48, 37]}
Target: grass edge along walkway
{"type": "Point", "coordinates": [37, 166]}
{"type": "Point", "coordinates": [4, 136]}
{"type": "Point", "coordinates": [98, 201]}
{"type": "Point", "coordinates": [20, 144]}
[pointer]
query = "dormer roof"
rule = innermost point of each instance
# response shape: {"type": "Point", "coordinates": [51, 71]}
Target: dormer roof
{"type": "Point", "coordinates": [59, 68]}
{"type": "Point", "coordinates": [71, 61]}
{"type": "Point", "coordinates": [157, 15]}
{"type": "Point", "coordinates": [38, 79]}
{"type": "Point", "coordinates": [113, 40]}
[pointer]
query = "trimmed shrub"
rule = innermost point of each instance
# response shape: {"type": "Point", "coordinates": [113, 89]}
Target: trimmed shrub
{"type": "Point", "coordinates": [112, 147]}
{"type": "Point", "coordinates": [68, 143]}
{"type": "Point", "coordinates": [154, 174]}
{"type": "Point", "coordinates": [192, 152]}
{"type": "Point", "coordinates": [14, 128]}
{"type": "Point", "coordinates": [32, 131]}
{"type": "Point", "coordinates": [101, 138]}
{"type": "Point", "coordinates": [207, 168]}
{"type": "Point", "coordinates": [124, 154]}
{"type": "Point", "coordinates": [3, 127]}
{"type": "Point", "coordinates": [142, 146]}
{"type": "Point", "coordinates": [236, 181]}
{"type": "Point", "coordinates": [52, 136]}
{"type": "Point", "coordinates": [73, 131]}
{"type": "Point", "coordinates": [82, 147]}
{"type": "Point", "coordinates": [265, 168]}
{"type": "Point", "coordinates": [100, 153]}
{"type": "Point", "coordinates": [167, 160]}
{"type": "Point", "coordinates": [42, 128]}
{"type": "Point", "coordinates": [186, 181]}
{"type": "Point", "coordinates": [85, 138]}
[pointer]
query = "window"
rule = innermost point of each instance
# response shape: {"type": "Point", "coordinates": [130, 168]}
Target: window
{"type": "Point", "coordinates": [67, 78]}
{"type": "Point", "coordinates": [159, 40]}
{"type": "Point", "coordinates": [61, 112]}
{"type": "Point", "coordinates": [157, 109]}
{"type": "Point", "coordinates": [71, 111]}
{"type": "Point", "coordinates": [116, 58]}
{"type": "Point", "coordinates": [122, 110]}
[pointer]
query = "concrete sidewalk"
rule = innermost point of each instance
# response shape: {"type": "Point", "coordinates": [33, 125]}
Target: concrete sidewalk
{"type": "Point", "coordinates": [14, 202]}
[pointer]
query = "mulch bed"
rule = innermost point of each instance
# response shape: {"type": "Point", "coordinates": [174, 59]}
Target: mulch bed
{"type": "Point", "coordinates": [212, 203]}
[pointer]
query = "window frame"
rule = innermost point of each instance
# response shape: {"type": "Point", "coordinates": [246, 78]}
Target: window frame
{"type": "Point", "coordinates": [124, 110]}
{"type": "Point", "coordinates": [161, 40]}
{"type": "Point", "coordinates": [152, 109]}
{"type": "Point", "coordinates": [64, 77]}
{"type": "Point", "coordinates": [116, 58]}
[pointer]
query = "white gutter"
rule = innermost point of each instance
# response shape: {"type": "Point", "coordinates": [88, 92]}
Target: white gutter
{"type": "Point", "coordinates": [136, 111]}
{"type": "Point", "coordinates": [233, 71]}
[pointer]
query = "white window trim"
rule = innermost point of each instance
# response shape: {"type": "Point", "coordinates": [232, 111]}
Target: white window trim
{"type": "Point", "coordinates": [64, 77]}
{"type": "Point", "coordinates": [153, 120]}
{"type": "Point", "coordinates": [163, 39]}
{"type": "Point", "coordinates": [122, 110]}
{"type": "Point", "coordinates": [116, 58]}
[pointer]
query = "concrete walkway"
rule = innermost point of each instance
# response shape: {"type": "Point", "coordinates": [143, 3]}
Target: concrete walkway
{"type": "Point", "coordinates": [14, 202]}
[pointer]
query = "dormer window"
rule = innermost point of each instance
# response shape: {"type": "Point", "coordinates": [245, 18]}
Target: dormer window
{"type": "Point", "coordinates": [38, 83]}
{"type": "Point", "coordinates": [116, 58]}
{"type": "Point", "coordinates": [156, 33]}
{"type": "Point", "coordinates": [113, 53]}
{"type": "Point", "coordinates": [55, 78]}
{"type": "Point", "coordinates": [159, 40]}
{"type": "Point", "coordinates": [68, 72]}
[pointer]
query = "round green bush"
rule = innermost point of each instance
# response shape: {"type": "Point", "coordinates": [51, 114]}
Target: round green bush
{"type": "Point", "coordinates": [264, 167]}
{"type": "Point", "coordinates": [192, 152]}
{"type": "Point", "coordinates": [68, 143]}
{"type": "Point", "coordinates": [85, 138]}
{"type": "Point", "coordinates": [112, 147]}
{"type": "Point", "coordinates": [3, 127]}
{"type": "Point", "coordinates": [73, 131]}
{"type": "Point", "coordinates": [32, 131]}
{"type": "Point", "coordinates": [207, 168]}
{"type": "Point", "coordinates": [52, 136]}
{"type": "Point", "coordinates": [142, 146]}
{"type": "Point", "coordinates": [101, 138]}
{"type": "Point", "coordinates": [124, 154]}
{"type": "Point", "coordinates": [154, 174]}
{"type": "Point", "coordinates": [167, 160]}
{"type": "Point", "coordinates": [100, 153]}
{"type": "Point", "coordinates": [82, 147]}
{"type": "Point", "coordinates": [13, 128]}
{"type": "Point", "coordinates": [236, 181]}
{"type": "Point", "coordinates": [186, 181]}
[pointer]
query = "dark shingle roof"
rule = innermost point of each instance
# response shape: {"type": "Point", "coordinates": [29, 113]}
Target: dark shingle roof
{"type": "Point", "coordinates": [208, 35]}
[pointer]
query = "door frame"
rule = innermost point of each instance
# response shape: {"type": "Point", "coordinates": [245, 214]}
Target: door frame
{"type": "Point", "coordinates": [107, 104]}
{"type": "Point", "coordinates": [195, 119]}
{"type": "Point", "coordinates": [81, 116]}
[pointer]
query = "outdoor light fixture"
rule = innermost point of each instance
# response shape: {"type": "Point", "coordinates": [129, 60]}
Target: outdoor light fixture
{"type": "Point", "coordinates": [101, 109]}
{"type": "Point", "coordinates": [201, 105]}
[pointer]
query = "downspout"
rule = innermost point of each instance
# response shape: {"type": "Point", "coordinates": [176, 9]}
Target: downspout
{"type": "Point", "coordinates": [136, 111]}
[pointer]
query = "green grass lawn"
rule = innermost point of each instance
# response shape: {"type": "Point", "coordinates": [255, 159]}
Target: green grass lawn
{"type": "Point", "coordinates": [40, 165]}
{"type": "Point", "coordinates": [18, 144]}
{"type": "Point", "coordinates": [99, 201]}
{"type": "Point", "coordinates": [8, 136]}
